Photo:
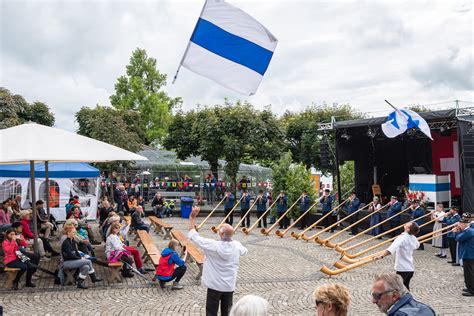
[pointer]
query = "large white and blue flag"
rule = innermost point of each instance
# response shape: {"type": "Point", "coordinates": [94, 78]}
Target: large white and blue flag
{"type": "Point", "coordinates": [402, 119]}
{"type": "Point", "coordinates": [230, 47]}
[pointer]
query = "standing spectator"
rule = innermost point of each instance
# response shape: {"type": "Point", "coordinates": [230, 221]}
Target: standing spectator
{"type": "Point", "coordinates": [221, 263]}
{"type": "Point", "coordinates": [261, 208]}
{"type": "Point", "coordinates": [124, 200]}
{"type": "Point", "coordinates": [118, 197]}
{"type": "Point", "coordinates": [165, 271]}
{"type": "Point", "coordinates": [403, 246]}
{"type": "Point", "coordinates": [392, 297]}
{"type": "Point", "coordinates": [250, 305]}
{"type": "Point", "coordinates": [332, 300]}
{"type": "Point", "coordinates": [228, 206]}
{"type": "Point", "coordinates": [465, 237]}
{"type": "Point", "coordinates": [451, 218]}
{"type": "Point", "coordinates": [137, 221]}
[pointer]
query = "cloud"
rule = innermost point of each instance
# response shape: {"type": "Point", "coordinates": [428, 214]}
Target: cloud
{"type": "Point", "coordinates": [69, 54]}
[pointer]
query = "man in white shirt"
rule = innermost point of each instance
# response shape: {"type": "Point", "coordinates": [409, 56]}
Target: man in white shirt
{"type": "Point", "coordinates": [221, 263]}
{"type": "Point", "coordinates": [403, 246]}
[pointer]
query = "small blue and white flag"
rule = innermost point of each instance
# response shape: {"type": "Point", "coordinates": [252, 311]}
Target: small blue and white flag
{"type": "Point", "coordinates": [230, 47]}
{"type": "Point", "coordinates": [402, 119]}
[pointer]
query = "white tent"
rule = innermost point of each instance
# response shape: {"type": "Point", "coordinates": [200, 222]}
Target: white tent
{"type": "Point", "coordinates": [32, 142]}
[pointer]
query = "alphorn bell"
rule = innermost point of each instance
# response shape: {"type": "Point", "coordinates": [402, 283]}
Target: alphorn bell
{"type": "Point", "coordinates": [267, 231]}
{"type": "Point", "coordinates": [342, 243]}
{"type": "Point", "coordinates": [302, 234]}
{"type": "Point", "coordinates": [282, 234]}
{"type": "Point", "coordinates": [216, 229]}
{"type": "Point", "coordinates": [325, 241]}
{"type": "Point", "coordinates": [352, 256]}
{"type": "Point", "coordinates": [245, 215]}
{"type": "Point", "coordinates": [248, 230]}
{"type": "Point", "coordinates": [198, 227]}
{"type": "Point", "coordinates": [339, 249]}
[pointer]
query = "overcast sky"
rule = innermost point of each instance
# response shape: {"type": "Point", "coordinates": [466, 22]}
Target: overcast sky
{"type": "Point", "coordinates": [69, 53]}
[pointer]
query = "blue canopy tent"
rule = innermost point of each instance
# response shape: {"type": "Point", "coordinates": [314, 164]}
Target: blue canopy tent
{"type": "Point", "coordinates": [55, 183]}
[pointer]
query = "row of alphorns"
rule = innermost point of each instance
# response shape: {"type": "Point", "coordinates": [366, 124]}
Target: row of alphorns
{"type": "Point", "coordinates": [352, 259]}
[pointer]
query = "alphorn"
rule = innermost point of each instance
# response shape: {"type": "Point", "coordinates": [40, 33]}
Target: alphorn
{"type": "Point", "coordinates": [282, 234]}
{"type": "Point", "coordinates": [216, 229]}
{"type": "Point", "coordinates": [302, 234]}
{"type": "Point", "coordinates": [248, 230]}
{"type": "Point", "coordinates": [324, 241]}
{"type": "Point", "coordinates": [339, 249]}
{"type": "Point", "coordinates": [315, 236]}
{"type": "Point", "coordinates": [352, 256]}
{"type": "Point", "coordinates": [267, 231]}
{"type": "Point", "coordinates": [245, 215]}
{"type": "Point", "coordinates": [198, 227]}
{"type": "Point", "coordinates": [427, 239]}
{"type": "Point", "coordinates": [342, 243]}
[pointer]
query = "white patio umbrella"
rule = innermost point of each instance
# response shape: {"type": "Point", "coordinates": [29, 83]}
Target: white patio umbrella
{"type": "Point", "coordinates": [32, 142]}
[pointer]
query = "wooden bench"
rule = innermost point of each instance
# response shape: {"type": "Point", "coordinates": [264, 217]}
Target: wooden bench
{"type": "Point", "coordinates": [69, 274]}
{"type": "Point", "coordinates": [161, 227]}
{"type": "Point", "coordinates": [194, 254]}
{"type": "Point", "coordinates": [11, 275]}
{"type": "Point", "coordinates": [151, 252]}
{"type": "Point", "coordinates": [115, 268]}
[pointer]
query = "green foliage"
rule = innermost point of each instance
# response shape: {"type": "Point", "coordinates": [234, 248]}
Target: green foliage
{"type": "Point", "coordinates": [292, 178]}
{"type": "Point", "coordinates": [302, 135]}
{"type": "Point", "coordinates": [347, 175]}
{"type": "Point", "coordinates": [15, 110]}
{"type": "Point", "coordinates": [140, 90]}
{"type": "Point", "coordinates": [419, 108]}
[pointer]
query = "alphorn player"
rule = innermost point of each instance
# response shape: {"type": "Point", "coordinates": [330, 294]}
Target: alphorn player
{"type": "Point", "coordinates": [282, 206]}
{"type": "Point", "coordinates": [244, 207]}
{"type": "Point", "coordinates": [403, 247]}
{"type": "Point", "coordinates": [228, 205]}
{"type": "Point", "coordinates": [464, 231]}
{"type": "Point", "coordinates": [261, 208]}
{"type": "Point", "coordinates": [375, 217]}
{"type": "Point", "coordinates": [304, 205]}
{"type": "Point", "coordinates": [451, 218]}
{"type": "Point", "coordinates": [417, 211]}
{"type": "Point", "coordinates": [326, 202]}
{"type": "Point", "coordinates": [351, 207]}
{"type": "Point", "coordinates": [394, 206]}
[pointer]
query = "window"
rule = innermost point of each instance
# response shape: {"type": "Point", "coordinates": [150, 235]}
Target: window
{"type": "Point", "coordinates": [9, 188]}
{"type": "Point", "coordinates": [53, 193]}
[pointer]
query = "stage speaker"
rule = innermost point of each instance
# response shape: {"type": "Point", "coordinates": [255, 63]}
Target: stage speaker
{"type": "Point", "coordinates": [325, 155]}
{"type": "Point", "coordinates": [468, 150]}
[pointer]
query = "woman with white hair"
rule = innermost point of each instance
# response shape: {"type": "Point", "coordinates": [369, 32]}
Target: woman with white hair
{"type": "Point", "coordinates": [250, 305]}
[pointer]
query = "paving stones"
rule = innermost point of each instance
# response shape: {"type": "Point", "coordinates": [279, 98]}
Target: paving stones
{"type": "Point", "coordinates": [284, 271]}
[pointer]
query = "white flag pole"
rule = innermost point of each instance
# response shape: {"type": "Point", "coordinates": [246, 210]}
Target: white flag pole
{"type": "Point", "coordinates": [187, 47]}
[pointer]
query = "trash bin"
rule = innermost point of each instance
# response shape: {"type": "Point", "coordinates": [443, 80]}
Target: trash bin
{"type": "Point", "coordinates": [186, 206]}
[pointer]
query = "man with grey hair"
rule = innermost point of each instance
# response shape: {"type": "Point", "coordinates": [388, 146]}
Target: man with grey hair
{"type": "Point", "coordinates": [221, 263]}
{"type": "Point", "coordinates": [392, 297]}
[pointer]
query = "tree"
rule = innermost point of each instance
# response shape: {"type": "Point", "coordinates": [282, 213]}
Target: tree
{"type": "Point", "coordinates": [292, 178]}
{"type": "Point", "coordinates": [303, 137]}
{"type": "Point", "coordinates": [15, 110]}
{"type": "Point", "coordinates": [347, 174]}
{"type": "Point", "coordinates": [140, 90]}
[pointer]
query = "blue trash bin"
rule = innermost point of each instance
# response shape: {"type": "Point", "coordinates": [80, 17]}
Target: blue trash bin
{"type": "Point", "coordinates": [186, 206]}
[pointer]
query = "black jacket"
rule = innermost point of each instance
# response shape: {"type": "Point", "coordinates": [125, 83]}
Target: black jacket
{"type": "Point", "coordinates": [69, 250]}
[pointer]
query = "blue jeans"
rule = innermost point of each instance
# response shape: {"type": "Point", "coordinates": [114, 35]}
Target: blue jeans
{"type": "Point", "coordinates": [143, 227]}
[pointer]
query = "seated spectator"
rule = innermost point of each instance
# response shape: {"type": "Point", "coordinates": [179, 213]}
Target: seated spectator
{"type": "Point", "coordinates": [43, 243]}
{"type": "Point", "coordinates": [141, 202]}
{"type": "Point", "coordinates": [43, 219]}
{"type": "Point", "coordinates": [82, 240]}
{"type": "Point", "coordinates": [16, 208]}
{"type": "Point", "coordinates": [69, 206]}
{"type": "Point", "coordinates": [132, 203]}
{"type": "Point", "coordinates": [82, 223]}
{"type": "Point", "coordinates": [165, 272]}
{"type": "Point", "coordinates": [157, 204]}
{"type": "Point", "coordinates": [72, 259]}
{"type": "Point", "coordinates": [137, 221]}
{"type": "Point", "coordinates": [104, 210]}
{"type": "Point", "coordinates": [393, 298]}
{"type": "Point", "coordinates": [5, 217]}
{"type": "Point", "coordinates": [11, 245]}
{"type": "Point", "coordinates": [332, 300]}
{"type": "Point", "coordinates": [115, 250]}
{"type": "Point", "coordinates": [250, 305]}
{"type": "Point", "coordinates": [168, 208]}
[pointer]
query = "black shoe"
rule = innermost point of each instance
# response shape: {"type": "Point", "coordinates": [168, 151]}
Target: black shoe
{"type": "Point", "coordinates": [30, 285]}
{"type": "Point", "coordinates": [467, 294]}
{"type": "Point", "coordinates": [81, 285]}
{"type": "Point", "coordinates": [455, 264]}
{"type": "Point", "coordinates": [15, 286]}
{"type": "Point", "coordinates": [465, 289]}
{"type": "Point", "coordinates": [442, 257]}
{"type": "Point", "coordinates": [438, 255]}
{"type": "Point", "coordinates": [450, 261]}
{"type": "Point", "coordinates": [94, 278]}
{"type": "Point", "coordinates": [162, 284]}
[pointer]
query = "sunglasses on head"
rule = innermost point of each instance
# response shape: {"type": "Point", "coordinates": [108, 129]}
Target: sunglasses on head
{"type": "Point", "coordinates": [318, 302]}
{"type": "Point", "coordinates": [378, 296]}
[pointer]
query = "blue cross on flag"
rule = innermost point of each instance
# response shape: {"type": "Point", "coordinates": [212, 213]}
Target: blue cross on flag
{"type": "Point", "coordinates": [402, 119]}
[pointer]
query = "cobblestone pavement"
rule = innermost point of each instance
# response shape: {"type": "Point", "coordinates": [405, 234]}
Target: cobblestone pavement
{"type": "Point", "coordinates": [282, 270]}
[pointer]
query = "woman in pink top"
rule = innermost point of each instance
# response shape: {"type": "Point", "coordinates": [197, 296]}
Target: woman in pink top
{"type": "Point", "coordinates": [5, 222]}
